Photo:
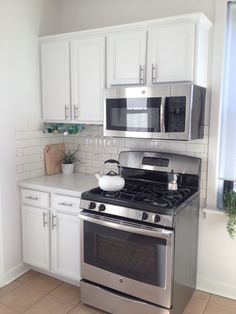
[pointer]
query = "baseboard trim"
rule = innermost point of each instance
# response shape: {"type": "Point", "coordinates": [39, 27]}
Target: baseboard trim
{"type": "Point", "coordinates": [15, 272]}
{"type": "Point", "coordinates": [216, 287]}
{"type": "Point", "coordinates": [59, 277]}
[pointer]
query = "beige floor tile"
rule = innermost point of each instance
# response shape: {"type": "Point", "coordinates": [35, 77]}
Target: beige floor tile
{"type": "Point", "coordinates": [78, 310]}
{"type": "Point", "coordinates": [9, 287]}
{"type": "Point", "coordinates": [214, 308]}
{"type": "Point", "coordinates": [21, 297]}
{"type": "Point", "coordinates": [85, 309]}
{"type": "Point", "coordinates": [40, 281]}
{"type": "Point", "coordinates": [50, 305]}
{"type": "Point", "coordinates": [6, 310]}
{"type": "Point", "coordinates": [195, 306]}
{"type": "Point", "coordinates": [68, 293]}
{"type": "Point", "coordinates": [223, 301]}
{"type": "Point", "coordinates": [201, 295]}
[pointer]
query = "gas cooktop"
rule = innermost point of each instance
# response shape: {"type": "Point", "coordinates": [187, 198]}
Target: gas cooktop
{"type": "Point", "coordinates": [154, 197]}
{"type": "Point", "coordinates": [145, 196]}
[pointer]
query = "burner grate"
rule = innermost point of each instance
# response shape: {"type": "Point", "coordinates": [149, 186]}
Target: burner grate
{"type": "Point", "coordinates": [157, 195]}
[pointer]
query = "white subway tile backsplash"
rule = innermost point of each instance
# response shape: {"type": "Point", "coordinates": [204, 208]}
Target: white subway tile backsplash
{"type": "Point", "coordinates": [22, 143]}
{"type": "Point", "coordinates": [94, 149]}
{"type": "Point", "coordinates": [199, 148]}
{"type": "Point", "coordinates": [30, 144]}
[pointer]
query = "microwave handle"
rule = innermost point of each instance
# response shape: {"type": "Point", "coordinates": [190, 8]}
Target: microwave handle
{"type": "Point", "coordinates": [162, 115]}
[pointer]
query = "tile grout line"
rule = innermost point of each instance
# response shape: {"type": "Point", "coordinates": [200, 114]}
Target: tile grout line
{"type": "Point", "coordinates": [207, 304]}
{"type": "Point", "coordinates": [43, 296]}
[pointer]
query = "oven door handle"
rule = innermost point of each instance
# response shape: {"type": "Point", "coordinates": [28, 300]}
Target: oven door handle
{"type": "Point", "coordinates": [157, 232]}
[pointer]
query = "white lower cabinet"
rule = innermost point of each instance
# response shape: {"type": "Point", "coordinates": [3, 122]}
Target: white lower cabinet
{"type": "Point", "coordinates": [65, 245]}
{"type": "Point", "coordinates": [36, 237]}
{"type": "Point", "coordinates": [51, 238]}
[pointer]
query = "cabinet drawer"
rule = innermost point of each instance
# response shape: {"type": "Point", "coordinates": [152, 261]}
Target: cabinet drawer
{"type": "Point", "coordinates": [64, 202]}
{"type": "Point", "coordinates": [35, 198]}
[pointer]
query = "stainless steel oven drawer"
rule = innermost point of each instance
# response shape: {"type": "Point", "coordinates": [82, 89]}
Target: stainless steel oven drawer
{"type": "Point", "coordinates": [115, 303]}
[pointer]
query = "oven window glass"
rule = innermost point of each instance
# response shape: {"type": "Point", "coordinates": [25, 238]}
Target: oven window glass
{"type": "Point", "coordinates": [133, 114]}
{"type": "Point", "coordinates": [135, 256]}
{"type": "Point", "coordinates": [175, 113]}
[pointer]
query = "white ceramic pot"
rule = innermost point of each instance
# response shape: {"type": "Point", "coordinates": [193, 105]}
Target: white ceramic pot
{"type": "Point", "coordinates": [68, 168]}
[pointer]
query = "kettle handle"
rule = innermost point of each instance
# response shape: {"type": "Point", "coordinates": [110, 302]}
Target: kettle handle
{"type": "Point", "coordinates": [111, 161]}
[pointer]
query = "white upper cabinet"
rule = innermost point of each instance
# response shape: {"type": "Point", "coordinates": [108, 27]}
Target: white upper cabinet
{"type": "Point", "coordinates": [73, 65]}
{"type": "Point", "coordinates": [126, 57]}
{"type": "Point", "coordinates": [87, 78]}
{"type": "Point", "coordinates": [73, 77]}
{"type": "Point", "coordinates": [55, 69]}
{"type": "Point", "coordinates": [177, 51]}
{"type": "Point", "coordinates": [171, 51]}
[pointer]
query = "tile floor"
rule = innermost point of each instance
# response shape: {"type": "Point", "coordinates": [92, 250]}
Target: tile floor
{"type": "Point", "coordinates": [35, 293]}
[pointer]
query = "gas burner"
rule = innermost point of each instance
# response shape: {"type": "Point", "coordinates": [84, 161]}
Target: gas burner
{"type": "Point", "coordinates": [140, 194]}
{"type": "Point", "coordinates": [109, 193]}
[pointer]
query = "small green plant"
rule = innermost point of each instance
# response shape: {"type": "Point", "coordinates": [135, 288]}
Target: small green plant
{"type": "Point", "coordinates": [230, 211]}
{"type": "Point", "coordinates": [69, 157]}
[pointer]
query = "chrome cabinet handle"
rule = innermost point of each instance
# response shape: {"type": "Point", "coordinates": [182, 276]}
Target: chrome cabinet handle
{"type": "Point", "coordinates": [67, 114]}
{"type": "Point", "coordinates": [34, 198]}
{"type": "Point", "coordinates": [75, 112]}
{"type": "Point", "coordinates": [66, 204]}
{"type": "Point", "coordinates": [44, 219]}
{"type": "Point", "coordinates": [141, 74]}
{"type": "Point", "coordinates": [54, 221]}
{"type": "Point", "coordinates": [154, 73]}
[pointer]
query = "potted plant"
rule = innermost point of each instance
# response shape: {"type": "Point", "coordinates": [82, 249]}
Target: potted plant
{"type": "Point", "coordinates": [230, 211]}
{"type": "Point", "coordinates": [68, 161]}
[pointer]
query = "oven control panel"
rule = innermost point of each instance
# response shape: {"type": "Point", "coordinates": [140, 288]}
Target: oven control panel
{"type": "Point", "coordinates": [130, 213]}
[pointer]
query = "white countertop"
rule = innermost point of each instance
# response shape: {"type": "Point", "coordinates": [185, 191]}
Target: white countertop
{"type": "Point", "coordinates": [73, 184]}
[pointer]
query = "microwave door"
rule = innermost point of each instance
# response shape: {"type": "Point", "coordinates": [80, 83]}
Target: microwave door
{"type": "Point", "coordinates": [134, 113]}
{"type": "Point", "coordinates": [177, 110]}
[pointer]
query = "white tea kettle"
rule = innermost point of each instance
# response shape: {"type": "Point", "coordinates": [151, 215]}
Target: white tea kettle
{"type": "Point", "coordinates": [111, 181]}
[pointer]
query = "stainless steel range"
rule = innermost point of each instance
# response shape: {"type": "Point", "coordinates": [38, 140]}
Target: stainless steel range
{"type": "Point", "coordinates": [139, 245]}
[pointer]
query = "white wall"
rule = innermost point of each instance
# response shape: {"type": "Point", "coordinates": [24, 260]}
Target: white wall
{"type": "Point", "coordinates": [20, 23]}
{"type": "Point", "coordinates": [86, 14]}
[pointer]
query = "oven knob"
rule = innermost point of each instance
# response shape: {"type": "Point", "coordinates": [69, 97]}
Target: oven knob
{"type": "Point", "coordinates": [101, 208]}
{"type": "Point", "coordinates": [92, 205]}
{"type": "Point", "coordinates": [156, 218]}
{"type": "Point", "coordinates": [144, 216]}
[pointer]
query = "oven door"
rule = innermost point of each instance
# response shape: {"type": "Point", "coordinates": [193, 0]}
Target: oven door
{"type": "Point", "coordinates": [128, 257]}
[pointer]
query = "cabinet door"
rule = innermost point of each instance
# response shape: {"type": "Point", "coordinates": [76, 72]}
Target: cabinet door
{"type": "Point", "coordinates": [87, 79]}
{"type": "Point", "coordinates": [171, 53]}
{"type": "Point", "coordinates": [35, 228]}
{"type": "Point", "coordinates": [126, 58]}
{"type": "Point", "coordinates": [55, 67]}
{"type": "Point", "coordinates": [66, 245]}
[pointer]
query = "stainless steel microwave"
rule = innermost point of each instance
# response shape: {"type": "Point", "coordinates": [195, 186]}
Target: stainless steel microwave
{"type": "Point", "coordinates": [168, 111]}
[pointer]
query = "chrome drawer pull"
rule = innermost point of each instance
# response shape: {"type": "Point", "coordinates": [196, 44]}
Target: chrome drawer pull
{"type": "Point", "coordinates": [54, 221]}
{"type": "Point", "coordinates": [34, 198]}
{"type": "Point", "coordinates": [44, 219]}
{"type": "Point", "coordinates": [154, 73]}
{"type": "Point", "coordinates": [141, 74]}
{"type": "Point", "coordinates": [75, 112]}
{"type": "Point", "coordinates": [67, 115]}
{"type": "Point", "coordinates": [66, 204]}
